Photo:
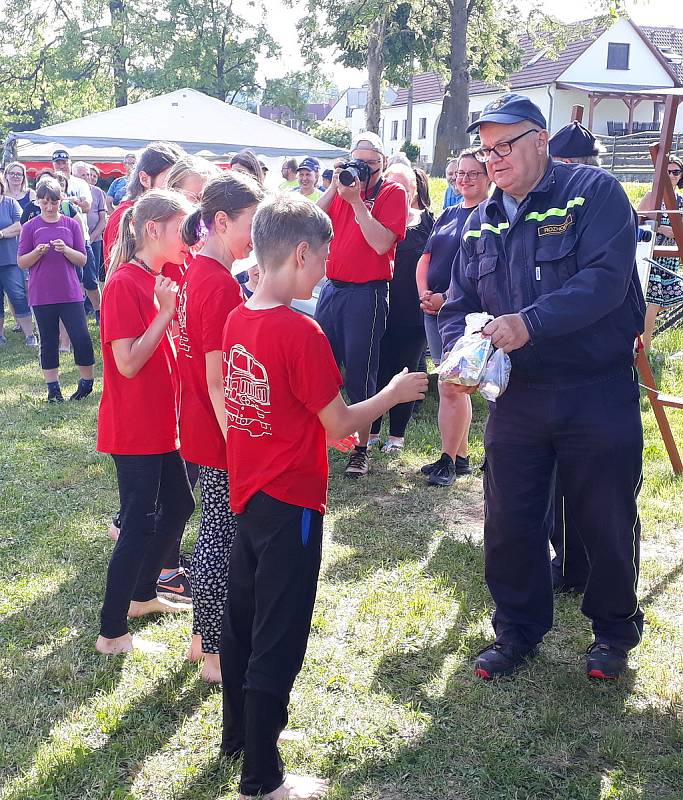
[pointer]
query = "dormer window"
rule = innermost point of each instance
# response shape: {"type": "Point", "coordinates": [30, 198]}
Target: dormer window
{"type": "Point", "coordinates": [617, 55]}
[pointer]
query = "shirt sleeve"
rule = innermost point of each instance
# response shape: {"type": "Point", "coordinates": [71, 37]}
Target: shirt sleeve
{"type": "Point", "coordinates": [314, 377]}
{"type": "Point", "coordinates": [605, 257]}
{"type": "Point", "coordinates": [215, 312]}
{"type": "Point", "coordinates": [123, 318]}
{"type": "Point", "coordinates": [25, 240]}
{"type": "Point", "coordinates": [462, 299]}
{"type": "Point", "coordinates": [14, 210]}
{"type": "Point", "coordinates": [392, 212]}
{"type": "Point", "coordinates": [113, 186]}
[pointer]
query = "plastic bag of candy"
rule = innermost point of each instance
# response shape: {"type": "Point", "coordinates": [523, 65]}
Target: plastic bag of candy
{"type": "Point", "coordinates": [496, 375]}
{"type": "Point", "coordinates": [465, 363]}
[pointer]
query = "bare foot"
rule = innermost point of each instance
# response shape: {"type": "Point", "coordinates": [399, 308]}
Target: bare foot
{"type": "Point", "coordinates": [156, 606]}
{"type": "Point", "coordinates": [195, 651]}
{"type": "Point", "coordinates": [112, 647]}
{"type": "Point", "coordinates": [211, 671]}
{"type": "Point", "coordinates": [127, 644]}
{"type": "Point", "coordinates": [296, 787]}
{"type": "Point", "coordinates": [113, 532]}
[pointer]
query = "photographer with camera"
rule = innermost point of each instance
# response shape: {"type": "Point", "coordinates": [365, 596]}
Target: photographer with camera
{"type": "Point", "coordinates": [369, 216]}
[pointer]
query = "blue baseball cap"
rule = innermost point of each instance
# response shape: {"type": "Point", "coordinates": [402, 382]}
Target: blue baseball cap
{"type": "Point", "coordinates": [573, 141]}
{"type": "Point", "coordinates": [309, 163]}
{"type": "Point", "coordinates": [508, 109]}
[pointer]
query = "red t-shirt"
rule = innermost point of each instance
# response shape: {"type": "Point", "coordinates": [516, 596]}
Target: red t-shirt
{"type": "Point", "coordinates": [351, 258]}
{"type": "Point", "coordinates": [174, 271]}
{"type": "Point", "coordinates": [208, 293]}
{"type": "Point", "coordinates": [279, 373]}
{"type": "Point", "coordinates": [138, 416]}
{"type": "Point", "coordinates": [111, 229]}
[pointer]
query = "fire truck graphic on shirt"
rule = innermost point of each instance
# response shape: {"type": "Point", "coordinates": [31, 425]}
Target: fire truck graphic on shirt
{"type": "Point", "coordinates": [181, 313]}
{"type": "Point", "coordinates": [247, 393]}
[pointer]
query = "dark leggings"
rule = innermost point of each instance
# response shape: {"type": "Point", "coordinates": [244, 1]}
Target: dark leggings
{"type": "Point", "coordinates": [73, 316]}
{"type": "Point", "coordinates": [401, 346]}
{"type": "Point", "coordinates": [156, 502]}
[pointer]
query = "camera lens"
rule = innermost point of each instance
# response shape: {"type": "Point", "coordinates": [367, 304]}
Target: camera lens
{"type": "Point", "coordinates": [348, 176]}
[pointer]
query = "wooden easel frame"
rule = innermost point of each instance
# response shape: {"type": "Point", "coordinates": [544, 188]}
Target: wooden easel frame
{"type": "Point", "coordinates": [663, 192]}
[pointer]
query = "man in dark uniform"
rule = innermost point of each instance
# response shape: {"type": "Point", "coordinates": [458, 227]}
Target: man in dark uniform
{"type": "Point", "coordinates": [551, 255]}
{"type": "Point", "coordinates": [573, 144]}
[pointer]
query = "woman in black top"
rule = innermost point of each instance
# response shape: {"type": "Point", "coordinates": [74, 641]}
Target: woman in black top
{"type": "Point", "coordinates": [404, 339]}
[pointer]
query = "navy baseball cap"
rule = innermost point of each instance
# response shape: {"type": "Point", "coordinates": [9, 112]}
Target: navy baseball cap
{"type": "Point", "coordinates": [309, 163]}
{"type": "Point", "coordinates": [60, 155]}
{"type": "Point", "coordinates": [573, 141]}
{"type": "Point", "coordinates": [508, 109]}
{"type": "Point", "coordinates": [328, 174]}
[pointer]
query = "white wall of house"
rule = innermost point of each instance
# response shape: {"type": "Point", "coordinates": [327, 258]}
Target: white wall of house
{"type": "Point", "coordinates": [338, 111]}
{"type": "Point", "coordinates": [425, 118]}
{"type": "Point", "coordinates": [591, 66]}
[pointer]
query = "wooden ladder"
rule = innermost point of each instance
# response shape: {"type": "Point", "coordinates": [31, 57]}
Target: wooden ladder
{"type": "Point", "coordinates": [663, 192]}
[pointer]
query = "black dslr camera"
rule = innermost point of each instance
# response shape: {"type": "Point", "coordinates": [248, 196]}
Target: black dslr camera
{"type": "Point", "coordinates": [354, 171]}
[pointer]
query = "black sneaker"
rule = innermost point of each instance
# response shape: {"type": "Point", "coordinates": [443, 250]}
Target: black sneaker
{"type": "Point", "coordinates": [605, 662]}
{"type": "Point", "coordinates": [429, 468]}
{"type": "Point", "coordinates": [359, 464]}
{"type": "Point", "coordinates": [176, 588]}
{"type": "Point", "coordinates": [443, 475]}
{"type": "Point", "coordinates": [499, 659]}
{"type": "Point", "coordinates": [55, 395]}
{"type": "Point", "coordinates": [83, 390]}
{"type": "Point", "coordinates": [462, 465]}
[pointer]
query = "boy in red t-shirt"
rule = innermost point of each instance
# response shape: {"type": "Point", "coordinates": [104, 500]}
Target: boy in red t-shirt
{"type": "Point", "coordinates": [282, 401]}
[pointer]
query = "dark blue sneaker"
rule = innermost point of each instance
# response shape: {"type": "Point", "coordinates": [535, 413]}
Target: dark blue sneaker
{"type": "Point", "coordinates": [605, 662]}
{"type": "Point", "coordinates": [499, 659]}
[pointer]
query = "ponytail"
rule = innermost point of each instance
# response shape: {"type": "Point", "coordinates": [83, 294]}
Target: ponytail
{"type": "Point", "coordinates": [125, 244]}
{"type": "Point", "coordinates": [192, 228]}
{"type": "Point", "coordinates": [156, 205]}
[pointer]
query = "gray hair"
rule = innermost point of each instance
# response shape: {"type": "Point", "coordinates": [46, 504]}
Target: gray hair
{"type": "Point", "coordinates": [399, 158]}
{"type": "Point", "coordinates": [591, 161]}
{"type": "Point", "coordinates": [283, 222]}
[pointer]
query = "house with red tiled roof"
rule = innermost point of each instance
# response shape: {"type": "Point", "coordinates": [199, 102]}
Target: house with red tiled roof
{"type": "Point", "coordinates": [619, 73]}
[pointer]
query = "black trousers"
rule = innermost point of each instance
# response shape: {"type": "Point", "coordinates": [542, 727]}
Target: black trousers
{"type": "Point", "coordinates": [73, 316]}
{"type": "Point", "coordinates": [570, 563]}
{"type": "Point", "coordinates": [593, 437]}
{"type": "Point", "coordinates": [354, 317]}
{"type": "Point", "coordinates": [274, 566]}
{"type": "Point", "coordinates": [156, 502]}
{"type": "Point", "coordinates": [401, 346]}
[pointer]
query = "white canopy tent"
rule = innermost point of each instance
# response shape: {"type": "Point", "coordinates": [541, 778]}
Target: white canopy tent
{"type": "Point", "coordinates": [200, 124]}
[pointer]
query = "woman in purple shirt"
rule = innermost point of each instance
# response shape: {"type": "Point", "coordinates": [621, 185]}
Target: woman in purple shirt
{"type": "Point", "coordinates": [51, 247]}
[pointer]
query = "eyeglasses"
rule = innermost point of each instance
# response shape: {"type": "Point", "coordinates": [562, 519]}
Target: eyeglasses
{"type": "Point", "coordinates": [370, 163]}
{"type": "Point", "coordinates": [502, 149]}
{"type": "Point", "coordinates": [15, 174]}
{"type": "Point", "coordinates": [674, 172]}
{"type": "Point", "coordinates": [470, 176]}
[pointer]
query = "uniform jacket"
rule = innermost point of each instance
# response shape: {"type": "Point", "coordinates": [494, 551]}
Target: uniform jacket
{"type": "Point", "coordinates": [566, 263]}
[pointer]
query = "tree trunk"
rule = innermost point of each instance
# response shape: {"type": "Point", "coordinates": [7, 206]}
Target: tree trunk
{"type": "Point", "coordinates": [373, 108]}
{"type": "Point", "coordinates": [451, 134]}
{"type": "Point", "coordinates": [119, 57]}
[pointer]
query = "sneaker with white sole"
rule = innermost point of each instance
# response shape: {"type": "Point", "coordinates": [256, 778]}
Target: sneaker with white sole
{"type": "Point", "coordinates": [359, 464]}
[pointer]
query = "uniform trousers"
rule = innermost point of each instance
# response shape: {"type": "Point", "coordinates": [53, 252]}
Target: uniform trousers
{"type": "Point", "coordinates": [592, 436]}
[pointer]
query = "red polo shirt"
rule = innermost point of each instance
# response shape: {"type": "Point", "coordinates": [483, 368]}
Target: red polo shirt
{"type": "Point", "coordinates": [351, 258]}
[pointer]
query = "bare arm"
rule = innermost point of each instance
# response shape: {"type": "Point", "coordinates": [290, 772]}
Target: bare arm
{"type": "Point", "coordinates": [340, 420]}
{"type": "Point", "coordinates": [99, 228]}
{"type": "Point", "coordinates": [110, 203]}
{"type": "Point", "coordinates": [11, 230]}
{"type": "Point", "coordinates": [131, 355]}
{"type": "Point", "coordinates": [421, 274]}
{"type": "Point", "coordinates": [28, 260]}
{"type": "Point", "coordinates": [214, 382]}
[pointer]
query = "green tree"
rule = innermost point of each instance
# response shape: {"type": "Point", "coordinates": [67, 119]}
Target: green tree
{"type": "Point", "coordinates": [205, 45]}
{"type": "Point", "coordinates": [296, 90]}
{"type": "Point", "coordinates": [411, 150]}
{"type": "Point", "coordinates": [332, 132]}
{"type": "Point", "coordinates": [387, 38]}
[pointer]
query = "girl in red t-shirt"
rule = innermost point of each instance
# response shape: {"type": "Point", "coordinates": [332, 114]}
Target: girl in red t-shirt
{"type": "Point", "coordinates": [208, 293]}
{"type": "Point", "coordinates": [138, 417]}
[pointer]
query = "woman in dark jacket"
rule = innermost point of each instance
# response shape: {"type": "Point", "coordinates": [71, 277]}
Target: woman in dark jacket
{"type": "Point", "coordinates": [404, 340]}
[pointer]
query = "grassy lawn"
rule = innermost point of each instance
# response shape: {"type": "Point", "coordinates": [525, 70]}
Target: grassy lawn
{"type": "Point", "coordinates": [387, 703]}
